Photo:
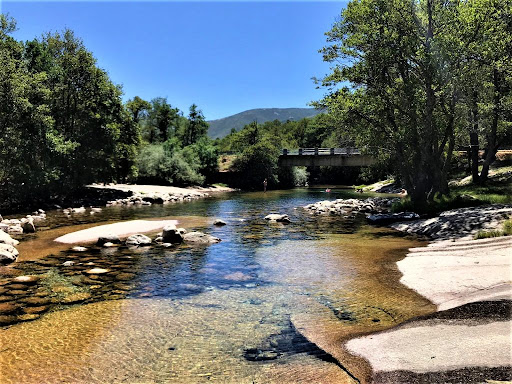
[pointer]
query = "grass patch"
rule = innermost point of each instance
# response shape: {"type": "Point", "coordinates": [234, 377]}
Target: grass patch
{"type": "Point", "coordinates": [506, 231]}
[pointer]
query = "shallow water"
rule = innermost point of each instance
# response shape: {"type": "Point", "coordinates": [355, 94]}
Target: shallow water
{"type": "Point", "coordinates": [270, 303]}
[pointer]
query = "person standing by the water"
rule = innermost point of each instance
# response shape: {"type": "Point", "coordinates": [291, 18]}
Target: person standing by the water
{"type": "Point", "coordinates": [265, 185]}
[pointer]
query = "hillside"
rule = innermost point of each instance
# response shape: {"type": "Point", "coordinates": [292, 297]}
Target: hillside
{"type": "Point", "coordinates": [222, 127]}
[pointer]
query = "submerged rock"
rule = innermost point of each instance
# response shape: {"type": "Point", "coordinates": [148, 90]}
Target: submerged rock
{"type": "Point", "coordinates": [200, 238]}
{"type": "Point", "coordinates": [278, 217]}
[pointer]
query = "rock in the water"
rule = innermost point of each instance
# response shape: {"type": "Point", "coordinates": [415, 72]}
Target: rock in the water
{"type": "Point", "coordinates": [28, 279]}
{"type": "Point", "coordinates": [200, 238]}
{"type": "Point", "coordinates": [219, 222]}
{"type": "Point", "coordinates": [68, 263]}
{"type": "Point", "coordinates": [28, 227]}
{"type": "Point", "coordinates": [79, 249]}
{"type": "Point", "coordinates": [96, 271]}
{"type": "Point", "coordinates": [171, 234]}
{"type": "Point", "coordinates": [4, 227]}
{"type": "Point", "coordinates": [6, 257]}
{"type": "Point", "coordinates": [5, 238]}
{"type": "Point", "coordinates": [16, 229]}
{"type": "Point", "coordinates": [387, 218]}
{"type": "Point", "coordinates": [279, 218]}
{"type": "Point", "coordinates": [138, 240]}
{"type": "Point", "coordinates": [114, 239]}
{"type": "Point", "coordinates": [108, 244]}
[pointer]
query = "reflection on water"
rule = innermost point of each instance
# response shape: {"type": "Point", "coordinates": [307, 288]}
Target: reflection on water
{"type": "Point", "coordinates": [270, 303]}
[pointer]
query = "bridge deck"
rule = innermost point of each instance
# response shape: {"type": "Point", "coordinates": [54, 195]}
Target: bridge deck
{"type": "Point", "coordinates": [332, 157]}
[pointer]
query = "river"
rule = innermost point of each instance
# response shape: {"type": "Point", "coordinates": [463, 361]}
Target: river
{"type": "Point", "coordinates": [270, 303]}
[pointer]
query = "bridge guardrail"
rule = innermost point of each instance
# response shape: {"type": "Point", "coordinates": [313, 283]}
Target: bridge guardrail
{"type": "Point", "coordinates": [319, 151]}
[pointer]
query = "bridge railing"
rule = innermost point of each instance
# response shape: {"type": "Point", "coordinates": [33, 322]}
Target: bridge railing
{"type": "Point", "coordinates": [320, 151]}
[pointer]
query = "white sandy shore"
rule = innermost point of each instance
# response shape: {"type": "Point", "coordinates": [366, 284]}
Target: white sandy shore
{"type": "Point", "coordinates": [156, 189]}
{"type": "Point", "coordinates": [450, 274]}
{"type": "Point", "coordinates": [122, 229]}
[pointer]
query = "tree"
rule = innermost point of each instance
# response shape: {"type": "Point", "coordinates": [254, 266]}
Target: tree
{"type": "Point", "coordinates": [195, 127]}
{"type": "Point", "coordinates": [163, 120]}
{"type": "Point", "coordinates": [138, 108]}
{"type": "Point", "coordinates": [396, 84]}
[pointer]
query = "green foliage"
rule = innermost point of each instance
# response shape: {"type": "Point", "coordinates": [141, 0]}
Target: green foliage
{"type": "Point", "coordinates": [257, 163]}
{"type": "Point", "coordinates": [194, 128]}
{"type": "Point", "coordinates": [404, 79]}
{"type": "Point", "coordinates": [157, 165]}
{"type": "Point", "coordinates": [506, 231]}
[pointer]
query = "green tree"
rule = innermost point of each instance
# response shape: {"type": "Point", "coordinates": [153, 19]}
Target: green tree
{"type": "Point", "coordinates": [195, 127]}
{"type": "Point", "coordinates": [395, 84]}
{"type": "Point", "coordinates": [163, 120]}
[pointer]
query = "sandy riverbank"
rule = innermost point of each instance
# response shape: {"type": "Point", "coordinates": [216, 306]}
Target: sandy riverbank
{"type": "Point", "coordinates": [158, 189]}
{"type": "Point", "coordinates": [469, 339]}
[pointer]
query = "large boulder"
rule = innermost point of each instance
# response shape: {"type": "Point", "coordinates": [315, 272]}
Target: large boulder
{"type": "Point", "coordinates": [138, 240]}
{"type": "Point", "coordinates": [5, 238]}
{"type": "Point", "coordinates": [173, 235]}
{"type": "Point", "coordinates": [200, 238]}
{"type": "Point", "coordinates": [110, 238]}
{"type": "Point", "coordinates": [8, 253]}
{"type": "Point", "coordinates": [28, 227]}
{"type": "Point", "coordinates": [277, 217]}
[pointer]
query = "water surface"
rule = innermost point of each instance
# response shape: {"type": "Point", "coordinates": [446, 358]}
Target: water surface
{"type": "Point", "coordinates": [270, 303]}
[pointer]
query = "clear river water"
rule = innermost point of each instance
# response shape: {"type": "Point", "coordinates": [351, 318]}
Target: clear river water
{"type": "Point", "coordinates": [270, 303]}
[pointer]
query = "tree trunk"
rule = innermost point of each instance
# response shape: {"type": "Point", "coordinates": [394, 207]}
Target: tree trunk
{"type": "Point", "coordinates": [473, 138]}
{"type": "Point", "coordinates": [492, 146]}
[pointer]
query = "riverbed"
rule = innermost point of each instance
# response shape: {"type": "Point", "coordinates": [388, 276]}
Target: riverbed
{"type": "Point", "coordinates": [271, 303]}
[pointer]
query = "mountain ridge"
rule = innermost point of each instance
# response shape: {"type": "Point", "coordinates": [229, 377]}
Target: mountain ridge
{"type": "Point", "coordinates": [222, 127]}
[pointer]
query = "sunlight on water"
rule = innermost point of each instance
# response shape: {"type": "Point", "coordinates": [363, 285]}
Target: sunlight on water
{"type": "Point", "coordinates": [270, 303]}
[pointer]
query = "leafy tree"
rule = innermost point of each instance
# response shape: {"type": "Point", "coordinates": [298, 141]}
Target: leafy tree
{"type": "Point", "coordinates": [195, 127]}
{"type": "Point", "coordinates": [163, 120]}
{"type": "Point", "coordinates": [138, 108]}
{"type": "Point", "coordinates": [396, 83]}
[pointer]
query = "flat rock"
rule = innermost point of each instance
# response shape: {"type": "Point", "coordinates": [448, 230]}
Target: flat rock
{"type": "Point", "coordinates": [27, 279]}
{"type": "Point", "coordinates": [79, 249]}
{"type": "Point", "coordinates": [96, 271]}
{"type": "Point", "coordinates": [278, 217]}
{"type": "Point", "coordinates": [200, 238]}
{"type": "Point", "coordinates": [5, 238]}
{"type": "Point", "coordinates": [124, 228]}
{"type": "Point", "coordinates": [138, 240]}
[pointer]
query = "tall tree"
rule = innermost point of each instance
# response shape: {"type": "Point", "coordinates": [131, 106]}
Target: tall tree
{"type": "Point", "coordinates": [402, 61]}
{"type": "Point", "coordinates": [163, 120]}
{"type": "Point", "coordinates": [195, 128]}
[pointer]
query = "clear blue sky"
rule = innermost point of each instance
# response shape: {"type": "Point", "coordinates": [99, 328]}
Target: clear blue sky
{"type": "Point", "coordinates": [226, 57]}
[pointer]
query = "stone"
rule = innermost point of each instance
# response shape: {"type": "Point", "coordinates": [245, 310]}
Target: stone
{"type": "Point", "coordinates": [96, 271]}
{"type": "Point", "coordinates": [28, 227]}
{"type": "Point", "coordinates": [78, 210]}
{"type": "Point", "coordinates": [4, 227]}
{"type": "Point", "coordinates": [200, 238]}
{"type": "Point", "coordinates": [387, 218]}
{"type": "Point", "coordinates": [6, 257]}
{"type": "Point", "coordinates": [219, 222]}
{"type": "Point", "coordinates": [171, 234]}
{"type": "Point", "coordinates": [109, 245]}
{"type": "Point", "coordinates": [110, 238]}
{"type": "Point", "coordinates": [28, 279]}
{"type": "Point", "coordinates": [36, 301]}
{"type": "Point", "coordinates": [29, 317]}
{"type": "Point", "coordinates": [15, 229]}
{"type": "Point", "coordinates": [277, 217]}
{"type": "Point", "coordinates": [7, 308]}
{"type": "Point", "coordinates": [32, 310]}
{"type": "Point", "coordinates": [9, 248]}
{"type": "Point", "coordinates": [76, 298]}
{"type": "Point", "coordinates": [79, 249]}
{"type": "Point", "coordinates": [7, 320]}
{"type": "Point", "coordinates": [138, 240]}
{"type": "Point", "coordinates": [68, 263]}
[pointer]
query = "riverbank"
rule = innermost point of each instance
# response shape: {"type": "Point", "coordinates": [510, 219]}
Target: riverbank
{"type": "Point", "coordinates": [468, 339]}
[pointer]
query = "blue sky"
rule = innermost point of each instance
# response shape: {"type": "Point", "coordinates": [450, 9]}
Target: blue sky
{"type": "Point", "coordinates": [226, 57]}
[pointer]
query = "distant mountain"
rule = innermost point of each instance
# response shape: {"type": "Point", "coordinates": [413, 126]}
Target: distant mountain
{"type": "Point", "coordinates": [222, 127]}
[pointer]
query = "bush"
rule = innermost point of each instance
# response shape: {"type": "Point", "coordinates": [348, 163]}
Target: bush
{"type": "Point", "coordinates": [158, 165]}
{"type": "Point", "coordinates": [257, 163]}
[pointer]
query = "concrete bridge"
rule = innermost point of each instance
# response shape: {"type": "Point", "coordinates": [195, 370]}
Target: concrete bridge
{"type": "Point", "coordinates": [320, 157]}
